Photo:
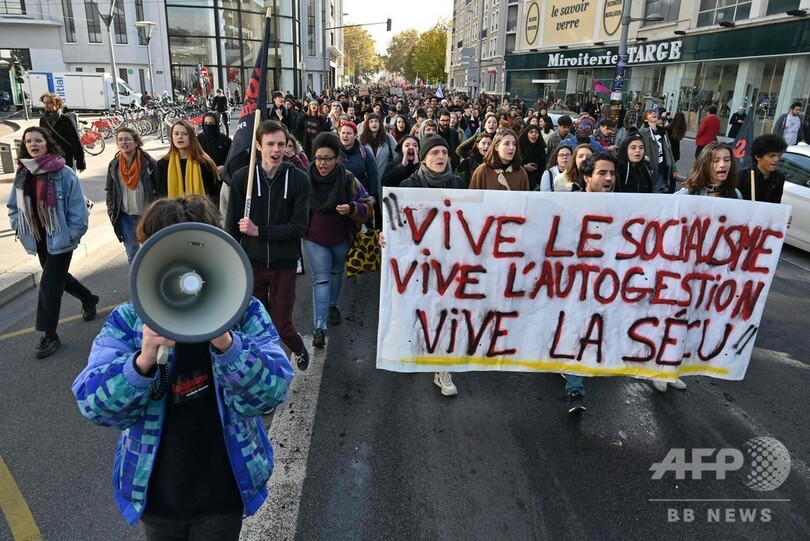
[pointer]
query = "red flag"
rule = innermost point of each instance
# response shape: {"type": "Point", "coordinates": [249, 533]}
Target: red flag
{"type": "Point", "coordinates": [255, 97]}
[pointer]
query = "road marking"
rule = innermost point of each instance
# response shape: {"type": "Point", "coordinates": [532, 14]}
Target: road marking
{"type": "Point", "coordinates": [28, 330]}
{"type": "Point", "coordinates": [18, 516]}
{"type": "Point", "coordinates": [291, 435]}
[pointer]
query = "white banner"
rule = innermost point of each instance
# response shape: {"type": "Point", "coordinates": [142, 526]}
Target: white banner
{"type": "Point", "coordinates": [651, 286]}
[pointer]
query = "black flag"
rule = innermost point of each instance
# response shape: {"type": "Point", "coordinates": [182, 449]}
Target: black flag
{"type": "Point", "coordinates": [742, 143]}
{"type": "Point", "coordinates": [255, 97]}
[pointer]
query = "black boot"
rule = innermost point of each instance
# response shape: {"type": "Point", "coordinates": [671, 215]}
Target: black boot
{"type": "Point", "coordinates": [89, 308]}
{"type": "Point", "coordinates": [48, 345]}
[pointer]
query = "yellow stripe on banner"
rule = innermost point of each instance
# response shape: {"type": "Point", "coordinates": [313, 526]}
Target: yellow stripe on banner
{"type": "Point", "coordinates": [18, 515]}
{"type": "Point", "coordinates": [549, 366]}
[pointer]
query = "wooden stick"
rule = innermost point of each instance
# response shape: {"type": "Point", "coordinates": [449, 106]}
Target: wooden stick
{"type": "Point", "coordinates": [753, 186]}
{"type": "Point", "coordinates": [252, 165]}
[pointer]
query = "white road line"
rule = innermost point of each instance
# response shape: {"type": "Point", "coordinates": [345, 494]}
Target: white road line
{"type": "Point", "coordinates": [291, 434]}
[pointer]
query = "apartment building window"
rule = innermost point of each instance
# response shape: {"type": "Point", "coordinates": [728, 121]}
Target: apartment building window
{"type": "Point", "coordinates": [93, 21]}
{"type": "Point", "coordinates": [120, 24]}
{"type": "Point", "coordinates": [776, 7]}
{"type": "Point", "coordinates": [713, 11]}
{"type": "Point", "coordinates": [140, 17]}
{"type": "Point", "coordinates": [12, 7]}
{"type": "Point", "coordinates": [311, 28]}
{"type": "Point", "coordinates": [669, 9]}
{"type": "Point", "coordinates": [70, 24]}
{"type": "Point", "coordinates": [495, 20]}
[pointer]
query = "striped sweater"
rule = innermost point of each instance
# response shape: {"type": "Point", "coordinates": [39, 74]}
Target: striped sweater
{"type": "Point", "coordinates": [250, 378]}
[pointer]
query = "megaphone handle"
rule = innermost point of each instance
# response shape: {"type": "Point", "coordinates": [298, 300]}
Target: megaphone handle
{"type": "Point", "coordinates": [163, 368]}
{"type": "Point", "coordinates": [163, 355]}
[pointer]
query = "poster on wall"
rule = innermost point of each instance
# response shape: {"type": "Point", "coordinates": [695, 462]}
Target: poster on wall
{"type": "Point", "coordinates": [568, 22]}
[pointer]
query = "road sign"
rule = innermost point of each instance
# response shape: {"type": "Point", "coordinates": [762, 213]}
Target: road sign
{"type": "Point", "coordinates": [204, 71]}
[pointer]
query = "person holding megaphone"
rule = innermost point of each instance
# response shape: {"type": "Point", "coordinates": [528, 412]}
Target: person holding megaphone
{"type": "Point", "coordinates": [193, 462]}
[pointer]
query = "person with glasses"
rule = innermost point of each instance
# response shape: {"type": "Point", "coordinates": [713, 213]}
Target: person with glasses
{"type": "Point", "coordinates": [47, 211]}
{"type": "Point", "coordinates": [768, 182]}
{"type": "Point", "coordinates": [501, 169]}
{"type": "Point", "coordinates": [558, 162]}
{"type": "Point", "coordinates": [339, 204]}
{"type": "Point", "coordinates": [130, 187]}
{"type": "Point", "coordinates": [271, 234]}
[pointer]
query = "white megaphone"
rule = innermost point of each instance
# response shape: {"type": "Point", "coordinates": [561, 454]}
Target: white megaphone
{"type": "Point", "coordinates": [190, 282]}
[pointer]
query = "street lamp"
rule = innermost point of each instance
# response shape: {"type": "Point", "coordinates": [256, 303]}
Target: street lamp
{"type": "Point", "coordinates": [147, 27]}
{"type": "Point", "coordinates": [108, 22]}
{"type": "Point", "coordinates": [621, 65]}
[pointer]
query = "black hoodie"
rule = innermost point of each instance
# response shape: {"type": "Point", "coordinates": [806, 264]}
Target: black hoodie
{"type": "Point", "coordinates": [279, 208]}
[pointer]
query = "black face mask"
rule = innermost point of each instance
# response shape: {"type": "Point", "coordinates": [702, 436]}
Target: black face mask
{"type": "Point", "coordinates": [211, 130]}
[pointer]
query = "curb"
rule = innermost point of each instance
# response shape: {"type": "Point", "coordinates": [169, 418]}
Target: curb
{"type": "Point", "coordinates": [25, 277]}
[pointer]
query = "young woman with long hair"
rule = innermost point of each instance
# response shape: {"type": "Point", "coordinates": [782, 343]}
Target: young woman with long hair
{"type": "Point", "coordinates": [468, 165]}
{"type": "Point", "coordinates": [714, 173]}
{"type": "Point", "coordinates": [48, 212]}
{"type": "Point", "coordinates": [186, 169]}
{"type": "Point", "coordinates": [634, 174]}
{"type": "Point", "coordinates": [381, 143]}
{"type": "Point", "coordinates": [314, 123]}
{"type": "Point", "coordinates": [570, 180]}
{"type": "Point", "coordinates": [501, 169]}
{"type": "Point", "coordinates": [400, 128]}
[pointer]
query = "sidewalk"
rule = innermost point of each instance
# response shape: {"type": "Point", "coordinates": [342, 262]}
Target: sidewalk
{"type": "Point", "coordinates": [20, 272]}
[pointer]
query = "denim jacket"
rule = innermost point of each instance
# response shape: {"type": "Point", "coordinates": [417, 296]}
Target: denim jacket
{"type": "Point", "coordinates": [71, 211]}
{"type": "Point", "coordinates": [250, 378]}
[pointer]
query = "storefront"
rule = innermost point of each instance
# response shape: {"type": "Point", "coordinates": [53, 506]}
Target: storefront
{"type": "Point", "coordinates": [726, 67]}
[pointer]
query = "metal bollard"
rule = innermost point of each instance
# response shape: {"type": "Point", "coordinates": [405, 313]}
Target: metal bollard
{"type": "Point", "coordinates": [6, 160]}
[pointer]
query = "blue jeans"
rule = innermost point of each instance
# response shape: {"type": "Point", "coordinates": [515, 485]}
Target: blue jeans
{"type": "Point", "coordinates": [327, 264]}
{"type": "Point", "coordinates": [128, 225]}
{"type": "Point", "coordinates": [574, 384]}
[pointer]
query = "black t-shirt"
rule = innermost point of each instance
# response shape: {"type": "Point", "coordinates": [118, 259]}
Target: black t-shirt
{"type": "Point", "coordinates": [192, 475]}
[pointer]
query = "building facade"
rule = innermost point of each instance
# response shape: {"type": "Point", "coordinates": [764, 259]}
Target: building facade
{"type": "Point", "coordinates": [487, 31]}
{"type": "Point", "coordinates": [69, 35]}
{"type": "Point", "coordinates": [224, 36]}
{"type": "Point", "coordinates": [727, 53]}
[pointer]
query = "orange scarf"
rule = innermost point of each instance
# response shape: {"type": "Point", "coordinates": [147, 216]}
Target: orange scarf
{"type": "Point", "coordinates": [132, 174]}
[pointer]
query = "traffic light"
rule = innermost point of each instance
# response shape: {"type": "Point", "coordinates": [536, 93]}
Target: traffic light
{"type": "Point", "coordinates": [388, 25]}
{"type": "Point", "coordinates": [18, 72]}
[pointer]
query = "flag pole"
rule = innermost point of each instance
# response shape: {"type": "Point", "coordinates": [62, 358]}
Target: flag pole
{"type": "Point", "coordinates": [252, 164]}
{"type": "Point", "coordinates": [753, 186]}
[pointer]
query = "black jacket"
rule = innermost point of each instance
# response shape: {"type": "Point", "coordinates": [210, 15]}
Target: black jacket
{"type": "Point", "coordinates": [279, 208]}
{"type": "Point", "coordinates": [769, 190]}
{"type": "Point", "coordinates": [216, 147]}
{"type": "Point", "coordinates": [417, 181]}
{"type": "Point", "coordinates": [395, 173]}
{"type": "Point", "coordinates": [113, 188]}
{"type": "Point", "coordinates": [66, 136]}
{"type": "Point", "coordinates": [451, 136]}
{"type": "Point", "coordinates": [209, 178]}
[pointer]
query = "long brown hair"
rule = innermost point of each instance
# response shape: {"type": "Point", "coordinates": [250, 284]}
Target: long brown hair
{"type": "Point", "coordinates": [491, 158]}
{"type": "Point", "coordinates": [702, 172]}
{"type": "Point", "coordinates": [375, 140]}
{"type": "Point", "coordinates": [195, 151]}
{"type": "Point", "coordinates": [572, 173]}
{"type": "Point", "coordinates": [51, 147]}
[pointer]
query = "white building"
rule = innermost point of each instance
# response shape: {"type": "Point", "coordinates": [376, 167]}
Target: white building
{"type": "Point", "coordinates": [490, 28]}
{"type": "Point", "coordinates": [222, 35]}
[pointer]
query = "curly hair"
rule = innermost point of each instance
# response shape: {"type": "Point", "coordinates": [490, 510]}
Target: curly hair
{"type": "Point", "coordinates": [165, 212]}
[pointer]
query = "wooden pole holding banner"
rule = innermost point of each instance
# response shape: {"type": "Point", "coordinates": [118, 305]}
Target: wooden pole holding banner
{"type": "Point", "coordinates": [753, 185]}
{"type": "Point", "coordinates": [252, 165]}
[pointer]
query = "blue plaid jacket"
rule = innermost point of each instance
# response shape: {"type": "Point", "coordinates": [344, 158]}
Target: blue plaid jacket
{"type": "Point", "coordinates": [250, 378]}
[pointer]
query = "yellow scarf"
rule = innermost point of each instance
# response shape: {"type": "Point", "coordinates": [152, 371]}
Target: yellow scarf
{"type": "Point", "coordinates": [191, 184]}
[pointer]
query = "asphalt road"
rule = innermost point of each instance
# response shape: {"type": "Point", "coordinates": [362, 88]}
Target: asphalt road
{"type": "Point", "coordinates": [367, 454]}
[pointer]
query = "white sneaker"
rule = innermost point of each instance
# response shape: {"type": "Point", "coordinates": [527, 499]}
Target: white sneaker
{"type": "Point", "coordinates": [660, 386]}
{"type": "Point", "coordinates": [445, 383]}
{"type": "Point", "coordinates": [678, 384]}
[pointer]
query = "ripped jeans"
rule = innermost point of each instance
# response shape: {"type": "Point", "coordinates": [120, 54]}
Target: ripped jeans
{"type": "Point", "coordinates": [327, 264]}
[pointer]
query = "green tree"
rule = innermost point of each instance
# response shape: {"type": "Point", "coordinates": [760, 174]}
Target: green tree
{"type": "Point", "coordinates": [400, 53]}
{"type": "Point", "coordinates": [429, 53]}
{"type": "Point", "coordinates": [360, 57]}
